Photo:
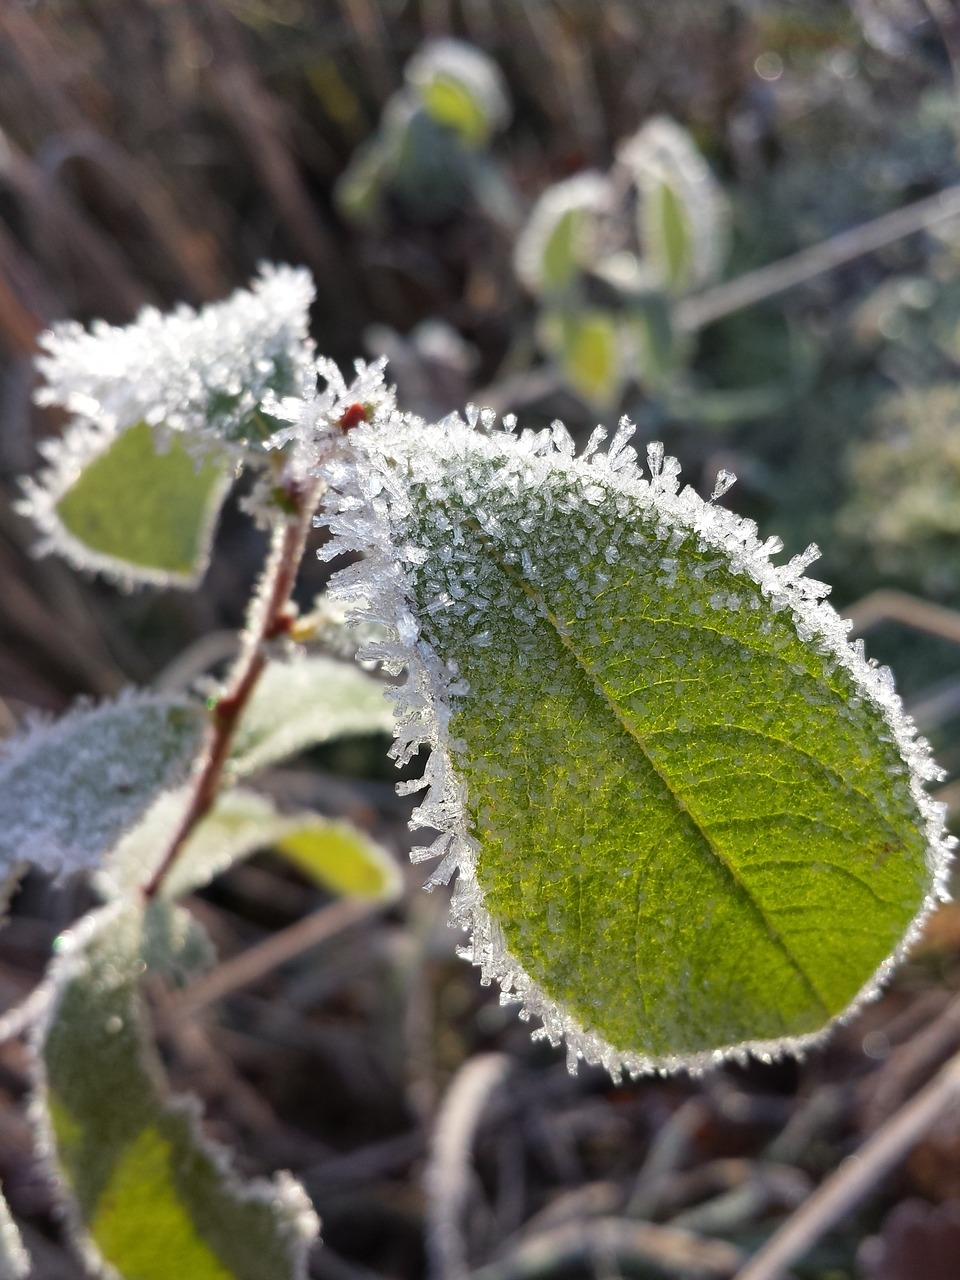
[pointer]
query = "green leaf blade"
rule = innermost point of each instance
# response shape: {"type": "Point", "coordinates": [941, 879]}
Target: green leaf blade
{"type": "Point", "coordinates": [690, 816]}
{"type": "Point", "coordinates": [334, 854]}
{"type": "Point", "coordinates": [143, 514]}
{"type": "Point", "coordinates": [147, 1194]}
{"type": "Point", "coordinates": [68, 789]}
{"type": "Point", "coordinates": [300, 704]}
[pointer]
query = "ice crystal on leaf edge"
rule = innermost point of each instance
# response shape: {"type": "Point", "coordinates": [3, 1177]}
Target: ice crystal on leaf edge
{"type": "Point", "coordinates": [357, 513]}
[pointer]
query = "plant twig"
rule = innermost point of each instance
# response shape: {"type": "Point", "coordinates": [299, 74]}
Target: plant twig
{"type": "Point", "coordinates": [447, 1176]}
{"type": "Point", "coordinates": [856, 1177]}
{"type": "Point", "coordinates": [277, 949]}
{"type": "Point", "coordinates": [632, 1244]}
{"type": "Point", "coordinates": [270, 617]}
{"type": "Point", "coordinates": [900, 606]}
{"type": "Point", "coordinates": [778, 277]}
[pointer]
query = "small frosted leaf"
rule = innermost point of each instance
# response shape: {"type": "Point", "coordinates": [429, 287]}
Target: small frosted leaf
{"type": "Point", "coordinates": [146, 1194]}
{"type": "Point", "coordinates": [560, 238]}
{"type": "Point", "coordinates": [128, 509]}
{"type": "Point", "coordinates": [203, 373]}
{"type": "Point", "coordinates": [14, 1259]}
{"type": "Point", "coordinates": [69, 788]}
{"type": "Point", "coordinates": [688, 818]}
{"type": "Point", "coordinates": [682, 213]}
{"type": "Point", "coordinates": [298, 704]}
{"type": "Point", "coordinates": [460, 87]}
{"type": "Point", "coordinates": [334, 854]}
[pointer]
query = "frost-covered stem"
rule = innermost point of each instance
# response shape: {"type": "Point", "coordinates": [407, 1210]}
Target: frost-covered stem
{"type": "Point", "coordinates": [856, 1177]}
{"type": "Point", "coordinates": [271, 616]}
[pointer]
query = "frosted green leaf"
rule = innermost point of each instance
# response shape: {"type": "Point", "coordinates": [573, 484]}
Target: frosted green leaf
{"type": "Point", "coordinates": [460, 87]}
{"type": "Point", "coordinates": [560, 239]}
{"type": "Point", "coordinates": [687, 816]}
{"type": "Point", "coordinates": [14, 1259]}
{"type": "Point", "coordinates": [135, 512]}
{"type": "Point", "coordinates": [146, 1194]}
{"type": "Point", "coordinates": [70, 787]}
{"type": "Point", "coordinates": [682, 213]}
{"type": "Point", "coordinates": [588, 347]}
{"type": "Point", "coordinates": [334, 854]}
{"type": "Point", "coordinates": [298, 704]}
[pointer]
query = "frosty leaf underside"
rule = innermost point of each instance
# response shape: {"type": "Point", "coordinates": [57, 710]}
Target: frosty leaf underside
{"type": "Point", "coordinates": [67, 790]}
{"type": "Point", "coordinates": [147, 1193]}
{"type": "Point", "coordinates": [694, 828]}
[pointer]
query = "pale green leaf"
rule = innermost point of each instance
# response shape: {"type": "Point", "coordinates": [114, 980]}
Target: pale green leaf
{"type": "Point", "coordinates": [682, 214]}
{"type": "Point", "coordinates": [142, 513]}
{"type": "Point", "coordinates": [14, 1259]}
{"type": "Point", "coordinates": [667, 235]}
{"type": "Point", "coordinates": [334, 854]}
{"type": "Point", "coordinates": [298, 704]}
{"type": "Point", "coordinates": [588, 348]}
{"type": "Point", "coordinates": [69, 788]}
{"type": "Point", "coordinates": [687, 816]}
{"type": "Point", "coordinates": [146, 1194]}
{"type": "Point", "coordinates": [461, 88]}
{"type": "Point", "coordinates": [559, 241]}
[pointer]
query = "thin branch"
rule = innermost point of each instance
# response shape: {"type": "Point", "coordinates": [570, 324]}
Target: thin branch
{"type": "Point", "coordinates": [447, 1176]}
{"type": "Point", "coordinates": [778, 277]}
{"type": "Point", "coordinates": [671, 1250]}
{"type": "Point", "coordinates": [856, 1177]}
{"type": "Point", "coordinates": [270, 617]}
{"type": "Point", "coordinates": [251, 965]}
{"type": "Point", "coordinates": [900, 606]}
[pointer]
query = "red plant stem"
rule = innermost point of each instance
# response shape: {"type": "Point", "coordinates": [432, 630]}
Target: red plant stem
{"type": "Point", "coordinates": [270, 617]}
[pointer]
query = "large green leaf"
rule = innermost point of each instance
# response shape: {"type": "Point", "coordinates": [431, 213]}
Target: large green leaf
{"type": "Point", "coordinates": [69, 788]}
{"type": "Point", "coordinates": [298, 704]}
{"type": "Point", "coordinates": [143, 514]}
{"type": "Point", "coordinates": [335, 854]}
{"type": "Point", "coordinates": [687, 816]}
{"type": "Point", "coordinates": [146, 1193]}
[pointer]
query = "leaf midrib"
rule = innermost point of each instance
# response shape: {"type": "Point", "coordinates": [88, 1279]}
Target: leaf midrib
{"type": "Point", "coordinates": [631, 729]}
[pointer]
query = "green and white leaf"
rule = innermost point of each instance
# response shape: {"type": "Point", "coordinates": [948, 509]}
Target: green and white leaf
{"type": "Point", "coordinates": [561, 238]}
{"type": "Point", "coordinates": [14, 1259]}
{"type": "Point", "coordinates": [687, 816]}
{"type": "Point", "coordinates": [299, 704]}
{"type": "Point", "coordinates": [128, 507]}
{"type": "Point", "coordinates": [71, 787]}
{"type": "Point", "coordinates": [148, 1197]}
{"type": "Point", "coordinates": [682, 213]}
{"type": "Point", "coordinates": [461, 88]}
{"type": "Point", "coordinates": [335, 854]}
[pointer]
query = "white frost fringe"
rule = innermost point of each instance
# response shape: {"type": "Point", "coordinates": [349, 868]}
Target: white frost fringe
{"type": "Point", "coordinates": [365, 494]}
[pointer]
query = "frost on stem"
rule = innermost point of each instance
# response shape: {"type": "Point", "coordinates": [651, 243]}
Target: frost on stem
{"type": "Point", "coordinates": [687, 817]}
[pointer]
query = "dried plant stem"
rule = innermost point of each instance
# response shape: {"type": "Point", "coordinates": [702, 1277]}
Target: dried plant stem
{"type": "Point", "coordinates": [270, 617]}
{"type": "Point", "coordinates": [856, 1177]}
{"type": "Point", "coordinates": [778, 277]}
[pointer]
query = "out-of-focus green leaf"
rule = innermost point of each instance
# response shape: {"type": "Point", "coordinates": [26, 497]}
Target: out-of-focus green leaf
{"type": "Point", "coordinates": [334, 854]}
{"type": "Point", "coordinates": [69, 788]}
{"type": "Point", "coordinates": [14, 1259]}
{"type": "Point", "coordinates": [667, 235]}
{"type": "Point", "coordinates": [298, 704]}
{"type": "Point", "coordinates": [588, 349]}
{"type": "Point", "coordinates": [144, 514]}
{"type": "Point", "coordinates": [147, 1195]}
{"type": "Point", "coordinates": [560, 238]}
{"type": "Point", "coordinates": [449, 102]}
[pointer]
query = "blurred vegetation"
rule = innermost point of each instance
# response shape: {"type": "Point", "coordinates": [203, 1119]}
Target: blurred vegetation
{"type": "Point", "coordinates": [153, 151]}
